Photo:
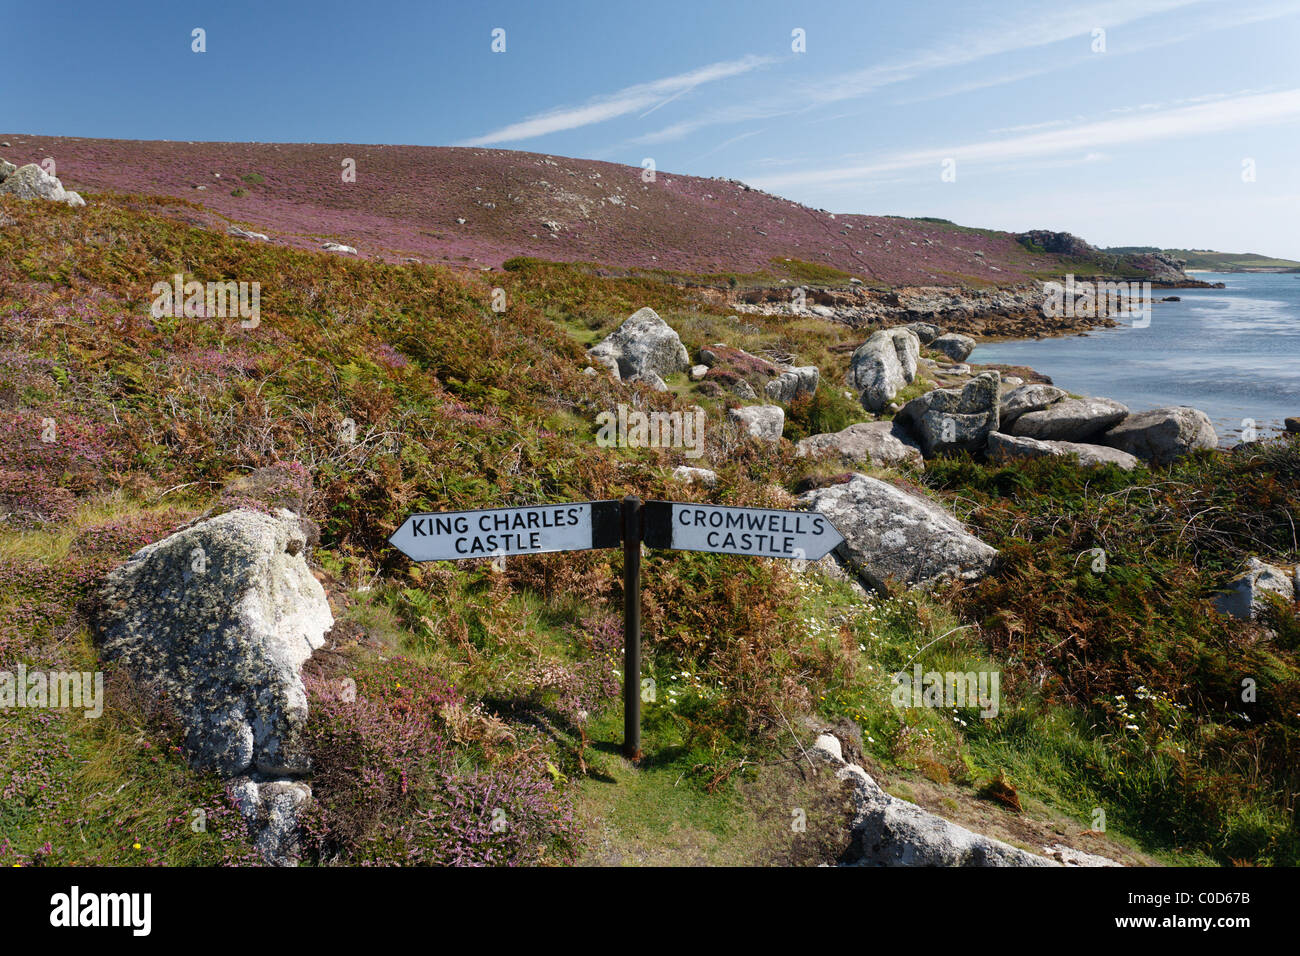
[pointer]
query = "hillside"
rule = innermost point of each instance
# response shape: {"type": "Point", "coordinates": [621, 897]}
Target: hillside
{"type": "Point", "coordinates": [1207, 260]}
{"type": "Point", "coordinates": [382, 389]}
{"type": "Point", "coordinates": [479, 207]}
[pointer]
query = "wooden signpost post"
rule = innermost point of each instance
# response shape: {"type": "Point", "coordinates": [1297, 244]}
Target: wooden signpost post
{"type": "Point", "coordinates": [586, 525]}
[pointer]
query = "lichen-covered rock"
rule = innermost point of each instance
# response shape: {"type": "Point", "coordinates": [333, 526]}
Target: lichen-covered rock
{"type": "Point", "coordinates": [954, 345]}
{"type": "Point", "coordinates": [1014, 446]}
{"type": "Point", "coordinates": [882, 365]}
{"type": "Point", "coordinates": [793, 383]}
{"type": "Point", "coordinates": [1027, 398]}
{"type": "Point", "coordinates": [7, 169]}
{"type": "Point", "coordinates": [1071, 419]}
{"type": "Point", "coordinates": [690, 476]}
{"type": "Point", "coordinates": [954, 419]}
{"type": "Point", "coordinates": [272, 809]}
{"type": "Point", "coordinates": [651, 379]}
{"type": "Point", "coordinates": [877, 443]}
{"type": "Point", "coordinates": [891, 535]}
{"type": "Point", "coordinates": [643, 343]}
{"type": "Point", "coordinates": [33, 182]}
{"type": "Point", "coordinates": [888, 831]}
{"type": "Point", "coordinates": [760, 421]}
{"type": "Point", "coordinates": [239, 233]}
{"type": "Point", "coordinates": [1163, 435]}
{"type": "Point", "coordinates": [1244, 597]}
{"type": "Point", "coordinates": [217, 620]}
{"type": "Point", "coordinates": [1069, 856]}
{"type": "Point", "coordinates": [925, 332]}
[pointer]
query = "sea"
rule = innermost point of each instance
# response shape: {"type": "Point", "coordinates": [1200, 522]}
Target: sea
{"type": "Point", "coordinates": [1234, 353]}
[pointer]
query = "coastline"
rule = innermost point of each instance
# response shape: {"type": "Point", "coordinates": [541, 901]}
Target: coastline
{"type": "Point", "coordinates": [1250, 388]}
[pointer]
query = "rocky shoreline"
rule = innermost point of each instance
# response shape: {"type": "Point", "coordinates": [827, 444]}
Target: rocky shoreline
{"type": "Point", "coordinates": [1016, 312]}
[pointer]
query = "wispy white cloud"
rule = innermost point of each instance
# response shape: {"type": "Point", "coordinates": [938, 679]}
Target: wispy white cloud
{"type": "Point", "coordinates": [1014, 32]}
{"type": "Point", "coordinates": [1004, 79]}
{"type": "Point", "coordinates": [1215, 116]}
{"type": "Point", "coordinates": [1204, 20]}
{"type": "Point", "coordinates": [725, 143]}
{"type": "Point", "coordinates": [1224, 16]}
{"type": "Point", "coordinates": [1026, 127]}
{"type": "Point", "coordinates": [631, 99]}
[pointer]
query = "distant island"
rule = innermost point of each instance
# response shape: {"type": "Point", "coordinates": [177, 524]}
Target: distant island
{"type": "Point", "coordinates": [1207, 260]}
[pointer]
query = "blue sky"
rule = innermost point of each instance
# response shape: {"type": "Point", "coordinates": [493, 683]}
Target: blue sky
{"type": "Point", "coordinates": [1142, 143]}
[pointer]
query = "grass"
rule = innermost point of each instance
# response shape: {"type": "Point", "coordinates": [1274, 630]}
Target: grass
{"type": "Point", "coordinates": [811, 273]}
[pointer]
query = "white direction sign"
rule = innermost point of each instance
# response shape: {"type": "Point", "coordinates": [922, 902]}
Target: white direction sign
{"type": "Point", "coordinates": [535, 529]}
{"type": "Point", "coordinates": [761, 532]}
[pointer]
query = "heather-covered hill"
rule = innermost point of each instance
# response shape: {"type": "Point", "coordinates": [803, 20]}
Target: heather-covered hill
{"type": "Point", "coordinates": [480, 207]}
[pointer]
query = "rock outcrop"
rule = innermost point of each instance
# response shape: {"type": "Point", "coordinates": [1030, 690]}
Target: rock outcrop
{"type": "Point", "coordinates": [883, 365]}
{"type": "Point", "coordinates": [272, 809]}
{"type": "Point", "coordinates": [1163, 435]}
{"type": "Point", "coordinates": [217, 620]}
{"type": "Point", "coordinates": [1244, 597]}
{"type": "Point", "coordinates": [793, 383]}
{"type": "Point", "coordinates": [1158, 267]}
{"type": "Point", "coordinates": [765, 422]}
{"type": "Point", "coordinates": [643, 343]}
{"type": "Point", "coordinates": [1016, 312]}
{"type": "Point", "coordinates": [954, 419]}
{"type": "Point", "coordinates": [924, 331]}
{"type": "Point", "coordinates": [33, 182]}
{"type": "Point", "coordinates": [891, 535]}
{"type": "Point", "coordinates": [688, 475]}
{"type": "Point", "coordinates": [650, 379]}
{"type": "Point", "coordinates": [1013, 446]}
{"type": "Point", "coordinates": [1070, 419]}
{"type": "Point", "coordinates": [1027, 398]}
{"type": "Point", "coordinates": [888, 831]}
{"type": "Point", "coordinates": [954, 345]}
{"type": "Point", "coordinates": [1057, 243]}
{"type": "Point", "coordinates": [878, 443]}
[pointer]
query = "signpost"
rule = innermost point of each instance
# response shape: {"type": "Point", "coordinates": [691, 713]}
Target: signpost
{"type": "Point", "coordinates": [537, 529]}
{"type": "Point", "coordinates": [758, 532]}
{"type": "Point", "coordinates": [585, 525]}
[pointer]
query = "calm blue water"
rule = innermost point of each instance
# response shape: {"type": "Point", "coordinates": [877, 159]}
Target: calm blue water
{"type": "Point", "coordinates": [1234, 353]}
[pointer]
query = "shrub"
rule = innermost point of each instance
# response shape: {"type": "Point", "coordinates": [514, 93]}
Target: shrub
{"type": "Point", "coordinates": [390, 788]}
{"type": "Point", "coordinates": [826, 410]}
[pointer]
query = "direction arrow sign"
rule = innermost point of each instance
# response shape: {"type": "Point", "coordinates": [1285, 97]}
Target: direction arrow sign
{"type": "Point", "coordinates": [536, 529]}
{"type": "Point", "coordinates": [761, 532]}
